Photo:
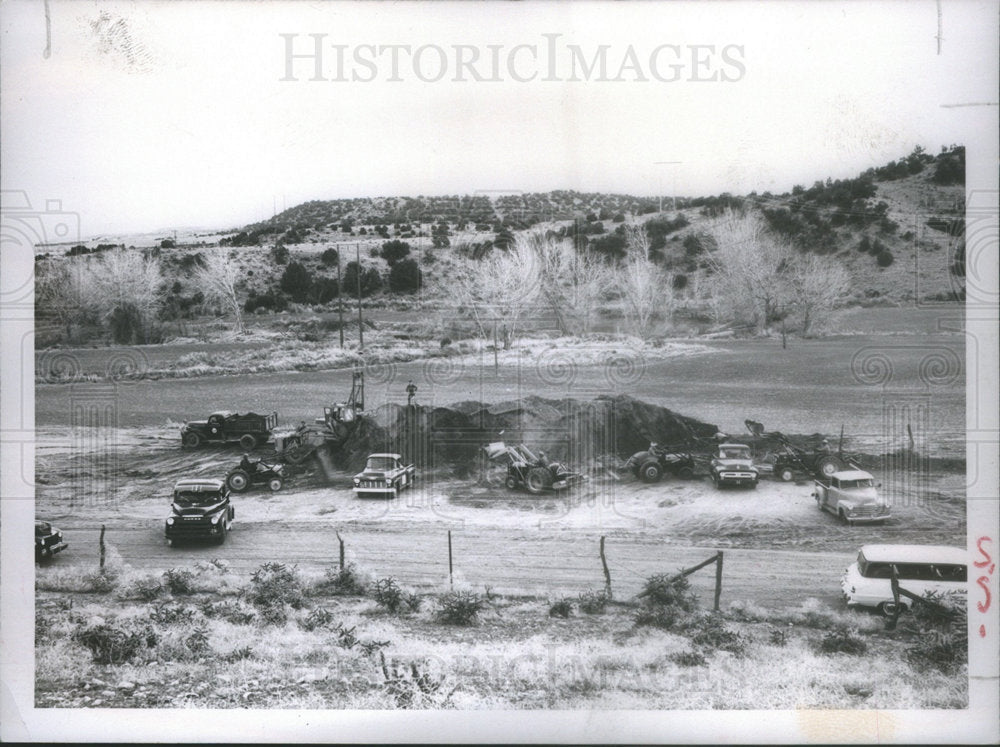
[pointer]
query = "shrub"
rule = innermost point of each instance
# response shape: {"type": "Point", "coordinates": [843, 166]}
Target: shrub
{"type": "Point", "coordinates": [663, 590]}
{"type": "Point", "coordinates": [405, 277]}
{"type": "Point", "coordinates": [884, 258]}
{"type": "Point", "coordinates": [167, 614]}
{"type": "Point", "coordinates": [237, 614]}
{"type": "Point", "coordinates": [593, 602]}
{"type": "Point", "coordinates": [842, 641]}
{"type": "Point", "coordinates": [393, 251]}
{"type": "Point", "coordinates": [296, 281]}
{"type": "Point", "coordinates": [330, 256]}
{"type": "Point", "coordinates": [460, 607]}
{"type": "Point", "coordinates": [197, 642]}
{"type": "Point", "coordinates": [561, 608]}
{"type": "Point", "coordinates": [941, 633]}
{"type": "Point", "coordinates": [711, 633]}
{"type": "Point", "coordinates": [388, 594]}
{"type": "Point", "coordinates": [689, 659]}
{"type": "Point", "coordinates": [239, 654]}
{"type": "Point", "coordinates": [115, 643]}
{"type": "Point", "coordinates": [272, 586]}
{"type": "Point", "coordinates": [279, 254]}
{"type": "Point", "coordinates": [346, 581]}
{"type": "Point", "coordinates": [318, 618]}
{"type": "Point", "coordinates": [179, 581]}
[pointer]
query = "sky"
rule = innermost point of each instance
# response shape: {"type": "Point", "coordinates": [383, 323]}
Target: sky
{"type": "Point", "coordinates": [146, 116]}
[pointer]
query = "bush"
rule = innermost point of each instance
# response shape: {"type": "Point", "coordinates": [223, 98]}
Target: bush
{"type": "Point", "coordinates": [842, 641]}
{"type": "Point", "coordinates": [346, 581]}
{"type": "Point", "coordinates": [393, 251]}
{"type": "Point", "coordinates": [237, 614]}
{"type": "Point", "coordinates": [270, 300]}
{"type": "Point", "coordinates": [884, 258]}
{"type": "Point", "coordinates": [941, 632]}
{"type": "Point", "coordinates": [711, 633]}
{"type": "Point", "coordinates": [460, 607]}
{"type": "Point", "coordinates": [179, 581]}
{"type": "Point", "coordinates": [662, 590]}
{"type": "Point", "coordinates": [388, 594]}
{"type": "Point", "coordinates": [116, 643]}
{"type": "Point", "coordinates": [689, 659]}
{"type": "Point", "coordinates": [405, 277]}
{"type": "Point", "coordinates": [318, 618]}
{"type": "Point", "coordinates": [371, 280]}
{"type": "Point", "coordinates": [279, 254]}
{"type": "Point", "coordinates": [296, 281]}
{"type": "Point", "coordinates": [170, 614]}
{"type": "Point", "coordinates": [561, 608]}
{"type": "Point", "coordinates": [272, 586]}
{"type": "Point", "coordinates": [330, 256]}
{"type": "Point", "coordinates": [593, 602]}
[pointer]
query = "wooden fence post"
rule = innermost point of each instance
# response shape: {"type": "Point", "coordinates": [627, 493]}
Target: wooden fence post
{"type": "Point", "coordinates": [607, 573]}
{"type": "Point", "coordinates": [451, 579]}
{"type": "Point", "coordinates": [718, 579]}
{"type": "Point", "coordinates": [341, 541]}
{"type": "Point", "coordinates": [102, 548]}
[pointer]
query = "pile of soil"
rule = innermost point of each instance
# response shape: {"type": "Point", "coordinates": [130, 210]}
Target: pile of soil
{"type": "Point", "coordinates": [581, 433]}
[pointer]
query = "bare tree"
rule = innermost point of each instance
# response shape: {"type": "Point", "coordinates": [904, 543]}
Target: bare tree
{"type": "Point", "coordinates": [572, 282]}
{"type": "Point", "coordinates": [499, 288]}
{"type": "Point", "coordinates": [217, 278]}
{"type": "Point", "coordinates": [63, 289]}
{"type": "Point", "coordinates": [747, 266]}
{"type": "Point", "coordinates": [646, 290]}
{"type": "Point", "coordinates": [128, 286]}
{"type": "Point", "coordinates": [815, 285]}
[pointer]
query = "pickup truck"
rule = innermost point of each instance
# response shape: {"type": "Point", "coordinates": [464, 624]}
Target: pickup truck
{"type": "Point", "coordinates": [48, 541]}
{"type": "Point", "coordinates": [851, 496]}
{"type": "Point", "coordinates": [733, 465]}
{"type": "Point", "coordinates": [384, 476]}
{"type": "Point", "coordinates": [200, 510]}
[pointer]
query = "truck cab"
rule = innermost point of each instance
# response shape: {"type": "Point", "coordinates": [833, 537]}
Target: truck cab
{"type": "Point", "coordinates": [733, 465]}
{"type": "Point", "coordinates": [200, 510]}
{"type": "Point", "coordinates": [384, 476]}
{"type": "Point", "coordinates": [851, 496]}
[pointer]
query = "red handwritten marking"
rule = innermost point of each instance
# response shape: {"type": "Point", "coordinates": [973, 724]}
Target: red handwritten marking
{"type": "Point", "coordinates": [984, 582]}
{"type": "Point", "coordinates": [987, 559]}
{"type": "Point", "coordinates": [982, 631]}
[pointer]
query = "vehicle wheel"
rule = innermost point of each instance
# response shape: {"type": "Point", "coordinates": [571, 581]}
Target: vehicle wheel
{"type": "Point", "coordinates": [274, 484]}
{"type": "Point", "coordinates": [827, 466]}
{"type": "Point", "coordinates": [238, 481]}
{"type": "Point", "coordinates": [191, 440]}
{"type": "Point", "coordinates": [511, 483]}
{"type": "Point", "coordinates": [685, 473]}
{"type": "Point", "coordinates": [170, 542]}
{"type": "Point", "coordinates": [843, 517]}
{"type": "Point", "coordinates": [222, 533]}
{"type": "Point", "coordinates": [536, 480]}
{"type": "Point", "coordinates": [248, 442]}
{"type": "Point", "coordinates": [295, 454]}
{"type": "Point", "coordinates": [650, 471]}
{"type": "Point", "coordinates": [888, 609]}
{"type": "Point", "coordinates": [786, 474]}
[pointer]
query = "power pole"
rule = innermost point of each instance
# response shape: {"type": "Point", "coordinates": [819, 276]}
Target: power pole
{"type": "Point", "coordinates": [340, 301]}
{"type": "Point", "coordinates": [361, 325]}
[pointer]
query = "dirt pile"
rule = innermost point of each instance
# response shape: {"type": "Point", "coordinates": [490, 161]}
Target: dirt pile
{"type": "Point", "coordinates": [578, 432]}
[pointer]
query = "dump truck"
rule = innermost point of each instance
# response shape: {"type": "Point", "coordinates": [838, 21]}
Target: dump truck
{"type": "Point", "coordinates": [250, 430]}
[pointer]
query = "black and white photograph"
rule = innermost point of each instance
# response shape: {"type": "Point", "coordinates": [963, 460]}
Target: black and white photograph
{"type": "Point", "coordinates": [499, 372]}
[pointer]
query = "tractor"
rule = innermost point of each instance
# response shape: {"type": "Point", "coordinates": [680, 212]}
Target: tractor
{"type": "Point", "coordinates": [333, 429]}
{"type": "Point", "coordinates": [534, 473]}
{"type": "Point", "coordinates": [816, 458]}
{"type": "Point", "coordinates": [652, 464]}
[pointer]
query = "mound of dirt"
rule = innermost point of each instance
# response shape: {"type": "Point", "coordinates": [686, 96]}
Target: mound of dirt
{"type": "Point", "coordinates": [577, 432]}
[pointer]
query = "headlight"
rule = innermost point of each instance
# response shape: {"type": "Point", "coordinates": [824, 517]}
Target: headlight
{"type": "Point", "coordinates": [170, 521]}
{"type": "Point", "coordinates": [357, 481]}
{"type": "Point", "coordinates": [215, 519]}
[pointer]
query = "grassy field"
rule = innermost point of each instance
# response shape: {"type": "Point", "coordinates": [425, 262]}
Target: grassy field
{"type": "Point", "coordinates": [204, 637]}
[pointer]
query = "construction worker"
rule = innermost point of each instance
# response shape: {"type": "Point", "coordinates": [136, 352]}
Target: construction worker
{"type": "Point", "coordinates": [411, 392]}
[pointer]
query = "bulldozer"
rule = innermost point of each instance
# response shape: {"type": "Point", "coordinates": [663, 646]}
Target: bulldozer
{"type": "Point", "coordinates": [532, 472]}
{"type": "Point", "coordinates": [331, 431]}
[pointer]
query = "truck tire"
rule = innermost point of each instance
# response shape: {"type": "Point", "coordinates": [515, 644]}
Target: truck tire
{"type": "Point", "coordinates": [786, 474]}
{"type": "Point", "coordinates": [536, 480]}
{"type": "Point", "coordinates": [191, 439]}
{"type": "Point", "coordinates": [274, 484]}
{"type": "Point", "coordinates": [650, 471]}
{"type": "Point", "coordinates": [511, 483]}
{"type": "Point", "coordinates": [248, 442]}
{"type": "Point", "coordinates": [827, 466]}
{"type": "Point", "coordinates": [238, 480]}
{"type": "Point", "coordinates": [222, 533]}
{"type": "Point", "coordinates": [888, 609]}
{"type": "Point", "coordinates": [685, 473]}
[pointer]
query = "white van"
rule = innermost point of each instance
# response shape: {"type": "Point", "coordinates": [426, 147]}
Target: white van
{"type": "Point", "coordinates": [920, 569]}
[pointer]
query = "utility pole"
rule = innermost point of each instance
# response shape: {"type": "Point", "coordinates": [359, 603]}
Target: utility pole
{"type": "Point", "coordinates": [340, 301]}
{"type": "Point", "coordinates": [669, 163]}
{"type": "Point", "coordinates": [361, 324]}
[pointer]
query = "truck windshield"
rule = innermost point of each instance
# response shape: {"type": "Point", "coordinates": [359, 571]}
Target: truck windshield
{"type": "Point", "coordinates": [380, 464]}
{"type": "Point", "coordinates": [735, 453]}
{"type": "Point", "coordinates": [866, 483]}
{"type": "Point", "coordinates": [197, 498]}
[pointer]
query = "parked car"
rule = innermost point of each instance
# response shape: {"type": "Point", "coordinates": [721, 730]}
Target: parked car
{"type": "Point", "coordinates": [250, 430]}
{"type": "Point", "coordinates": [252, 473]}
{"type": "Point", "coordinates": [919, 568]}
{"type": "Point", "coordinates": [48, 540]}
{"type": "Point", "coordinates": [851, 496]}
{"type": "Point", "coordinates": [733, 465]}
{"type": "Point", "coordinates": [384, 476]}
{"type": "Point", "coordinates": [200, 510]}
